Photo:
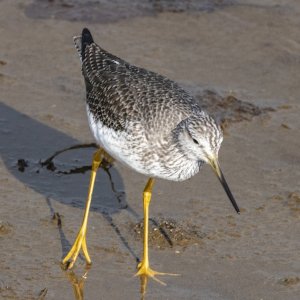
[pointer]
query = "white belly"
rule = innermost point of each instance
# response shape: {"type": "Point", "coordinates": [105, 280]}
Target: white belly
{"type": "Point", "coordinates": [115, 144]}
{"type": "Point", "coordinates": [119, 145]}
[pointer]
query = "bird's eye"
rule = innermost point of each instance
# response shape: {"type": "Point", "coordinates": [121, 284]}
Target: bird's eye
{"type": "Point", "coordinates": [195, 141]}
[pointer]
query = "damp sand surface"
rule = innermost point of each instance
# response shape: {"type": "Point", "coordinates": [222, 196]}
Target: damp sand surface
{"type": "Point", "coordinates": [241, 61]}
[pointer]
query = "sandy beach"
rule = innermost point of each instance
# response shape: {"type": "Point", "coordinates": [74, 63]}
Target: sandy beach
{"type": "Point", "coordinates": [241, 61]}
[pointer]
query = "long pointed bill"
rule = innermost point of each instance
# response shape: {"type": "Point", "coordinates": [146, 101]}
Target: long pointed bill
{"type": "Point", "coordinates": [217, 170]}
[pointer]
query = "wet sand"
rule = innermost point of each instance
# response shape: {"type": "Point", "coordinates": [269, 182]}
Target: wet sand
{"type": "Point", "coordinates": [244, 58]}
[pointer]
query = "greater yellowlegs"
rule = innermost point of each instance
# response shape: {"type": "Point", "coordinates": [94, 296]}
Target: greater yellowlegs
{"type": "Point", "coordinates": [148, 123]}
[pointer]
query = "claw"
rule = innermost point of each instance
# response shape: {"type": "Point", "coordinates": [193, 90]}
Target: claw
{"type": "Point", "coordinates": [146, 271]}
{"type": "Point", "coordinates": [80, 243]}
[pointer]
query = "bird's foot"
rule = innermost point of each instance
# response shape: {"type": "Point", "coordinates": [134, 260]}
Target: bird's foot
{"type": "Point", "coordinates": [79, 244]}
{"type": "Point", "coordinates": [144, 271]}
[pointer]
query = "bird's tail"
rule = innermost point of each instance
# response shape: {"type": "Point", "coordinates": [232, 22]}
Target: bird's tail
{"type": "Point", "coordinates": [81, 41]}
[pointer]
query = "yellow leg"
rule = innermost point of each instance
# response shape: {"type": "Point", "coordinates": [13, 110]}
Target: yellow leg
{"type": "Point", "coordinates": [144, 268]}
{"type": "Point", "coordinates": [80, 242]}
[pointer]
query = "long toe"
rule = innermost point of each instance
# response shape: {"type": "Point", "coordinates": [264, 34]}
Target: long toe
{"type": "Point", "coordinates": [70, 259]}
{"type": "Point", "coordinates": [150, 273]}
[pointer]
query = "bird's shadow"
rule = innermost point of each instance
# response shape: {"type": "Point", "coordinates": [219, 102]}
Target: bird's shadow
{"type": "Point", "coordinates": [56, 165]}
{"type": "Point", "coordinates": [29, 149]}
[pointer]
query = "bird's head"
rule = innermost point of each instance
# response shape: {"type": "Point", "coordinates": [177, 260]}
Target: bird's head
{"type": "Point", "coordinates": [200, 138]}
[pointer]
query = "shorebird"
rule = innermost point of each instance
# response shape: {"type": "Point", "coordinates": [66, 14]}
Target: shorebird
{"type": "Point", "coordinates": [147, 122]}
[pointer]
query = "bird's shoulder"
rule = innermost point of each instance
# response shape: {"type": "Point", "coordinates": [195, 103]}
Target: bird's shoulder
{"type": "Point", "coordinates": [132, 94]}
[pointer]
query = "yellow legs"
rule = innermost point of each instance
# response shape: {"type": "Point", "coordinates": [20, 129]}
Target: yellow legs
{"type": "Point", "coordinates": [80, 242]}
{"type": "Point", "coordinates": [144, 270]}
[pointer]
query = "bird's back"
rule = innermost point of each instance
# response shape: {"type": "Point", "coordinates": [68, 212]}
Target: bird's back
{"type": "Point", "coordinates": [119, 93]}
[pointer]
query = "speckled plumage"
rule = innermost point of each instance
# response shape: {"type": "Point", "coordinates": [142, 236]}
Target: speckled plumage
{"type": "Point", "coordinates": [144, 119]}
{"type": "Point", "coordinates": [147, 122]}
